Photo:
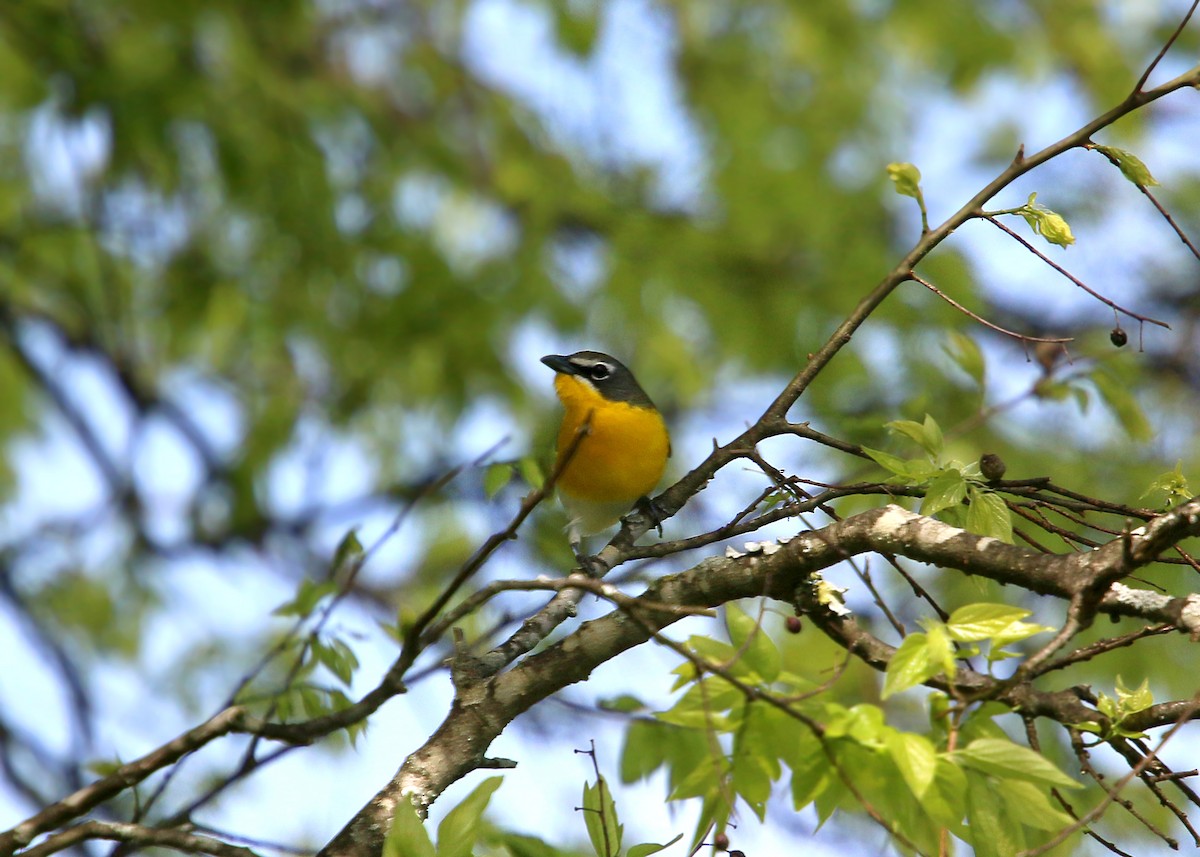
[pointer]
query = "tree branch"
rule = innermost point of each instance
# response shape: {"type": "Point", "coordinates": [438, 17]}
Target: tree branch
{"type": "Point", "coordinates": [483, 708]}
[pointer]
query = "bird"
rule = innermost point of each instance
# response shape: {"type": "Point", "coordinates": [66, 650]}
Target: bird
{"type": "Point", "coordinates": [612, 446]}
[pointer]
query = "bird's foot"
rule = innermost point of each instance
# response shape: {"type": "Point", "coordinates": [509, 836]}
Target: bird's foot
{"type": "Point", "coordinates": [590, 565]}
{"type": "Point", "coordinates": [654, 514]}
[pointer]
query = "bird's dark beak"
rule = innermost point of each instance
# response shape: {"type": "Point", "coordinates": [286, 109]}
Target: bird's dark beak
{"type": "Point", "coordinates": [559, 363]}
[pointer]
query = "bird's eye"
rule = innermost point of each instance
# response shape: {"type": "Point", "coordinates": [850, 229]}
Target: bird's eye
{"type": "Point", "coordinates": [600, 371]}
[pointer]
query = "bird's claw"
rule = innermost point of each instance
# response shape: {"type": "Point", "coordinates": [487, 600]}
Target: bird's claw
{"type": "Point", "coordinates": [590, 565]}
{"type": "Point", "coordinates": [654, 514]}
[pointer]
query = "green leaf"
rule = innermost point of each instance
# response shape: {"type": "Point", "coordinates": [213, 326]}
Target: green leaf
{"type": "Point", "coordinates": [752, 782]}
{"type": "Point", "coordinates": [945, 801]}
{"type": "Point", "coordinates": [941, 649]}
{"type": "Point", "coordinates": [928, 434]}
{"type": "Point", "coordinates": [531, 471]}
{"type": "Point", "coordinates": [1032, 805]}
{"type": "Point", "coordinates": [702, 705]}
{"type": "Point", "coordinates": [341, 661]}
{"type": "Point", "coordinates": [756, 748]}
{"type": "Point", "coordinates": [981, 621]}
{"type": "Point", "coordinates": [916, 758]}
{"type": "Point", "coordinates": [653, 744]}
{"type": "Point", "coordinates": [811, 769]}
{"type": "Point", "coordinates": [909, 666]}
{"type": "Point", "coordinates": [1173, 483]}
{"type": "Point", "coordinates": [1055, 229]}
{"type": "Point", "coordinates": [460, 828]}
{"type": "Point", "coordinates": [1007, 760]}
{"type": "Point", "coordinates": [1107, 706]}
{"type": "Point", "coordinates": [759, 651]}
{"type": "Point", "coordinates": [945, 491]}
{"type": "Point", "coordinates": [1131, 165]}
{"type": "Point", "coordinates": [520, 845]}
{"type": "Point", "coordinates": [933, 436]}
{"type": "Point", "coordinates": [349, 552]}
{"type": "Point", "coordinates": [714, 813]}
{"type": "Point", "coordinates": [1123, 404]}
{"type": "Point", "coordinates": [899, 466]}
{"type": "Point", "coordinates": [1015, 632]}
{"type": "Point", "coordinates": [308, 595]}
{"type": "Point", "coordinates": [989, 832]}
{"type": "Point", "coordinates": [600, 815]}
{"type": "Point", "coordinates": [706, 779]}
{"type": "Point", "coordinates": [496, 477]}
{"type": "Point", "coordinates": [408, 837]}
{"type": "Point", "coordinates": [906, 179]}
{"type": "Point", "coordinates": [649, 848]}
{"type": "Point", "coordinates": [910, 429]}
{"type": "Point", "coordinates": [988, 516]}
{"type": "Point", "coordinates": [104, 767]}
{"type": "Point", "coordinates": [864, 723]}
{"type": "Point", "coordinates": [714, 651]}
{"type": "Point", "coordinates": [964, 351]}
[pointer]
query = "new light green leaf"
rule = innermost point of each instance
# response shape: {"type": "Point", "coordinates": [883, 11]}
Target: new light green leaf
{"type": "Point", "coordinates": [1138, 699]}
{"type": "Point", "coordinates": [1050, 225]}
{"type": "Point", "coordinates": [1130, 165]}
{"type": "Point", "coordinates": [906, 179]}
{"type": "Point", "coordinates": [981, 621]}
{"type": "Point", "coordinates": [1014, 633]}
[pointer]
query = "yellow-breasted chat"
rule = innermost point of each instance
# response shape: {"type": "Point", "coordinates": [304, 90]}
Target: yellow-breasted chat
{"type": "Point", "coordinates": [615, 437]}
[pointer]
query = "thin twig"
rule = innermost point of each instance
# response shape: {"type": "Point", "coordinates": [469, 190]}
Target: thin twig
{"type": "Point", "coordinates": [136, 834]}
{"type": "Point", "coordinates": [1080, 283]}
{"type": "Point", "coordinates": [1021, 336]}
{"type": "Point", "coordinates": [1112, 794]}
{"type": "Point", "coordinates": [1137, 88]}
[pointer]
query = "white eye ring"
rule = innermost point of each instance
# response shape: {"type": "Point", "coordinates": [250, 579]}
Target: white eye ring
{"type": "Point", "coordinates": [600, 371]}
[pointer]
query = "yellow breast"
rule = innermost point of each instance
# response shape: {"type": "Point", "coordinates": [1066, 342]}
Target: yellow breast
{"type": "Point", "coordinates": [623, 454]}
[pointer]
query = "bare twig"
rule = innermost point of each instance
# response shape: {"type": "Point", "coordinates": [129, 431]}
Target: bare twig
{"type": "Point", "coordinates": [1080, 283]}
{"type": "Point", "coordinates": [1141, 82]}
{"type": "Point", "coordinates": [1112, 794]}
{"type": "Point", "coordinates": [136, 834]}
{"type": "Point", "coordinates": [1021, 336]}
{"type": "Point", "coordinates": [127, 775]}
